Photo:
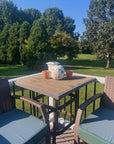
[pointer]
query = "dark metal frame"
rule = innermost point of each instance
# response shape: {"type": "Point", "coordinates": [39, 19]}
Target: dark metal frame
{"type": "Point", "coordinates": [57, 108]}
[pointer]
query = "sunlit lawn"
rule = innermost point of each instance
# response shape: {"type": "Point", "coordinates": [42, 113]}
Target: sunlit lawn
{"type": "Point", "coordinates": [86, 60]}
{"type": "Point", "coordinates": [84, 64]}
{"type": "Point", "coordinates": [88, 64]}
{"type": "Point", "coordinates": [89, 70]}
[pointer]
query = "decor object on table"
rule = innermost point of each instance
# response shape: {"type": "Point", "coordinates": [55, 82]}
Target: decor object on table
{"type": "Point", "coordinates": [51, 65]}
{"type": "Point", "coordinates": [69, 74]}
{"type": "Point", "coordinates": [56, 70]}
{"type": "Point", "coordinates": [45, 74]}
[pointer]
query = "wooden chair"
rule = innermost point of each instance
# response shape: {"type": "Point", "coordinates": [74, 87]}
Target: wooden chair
{"type": "Point", "coordinates": [98, 127]}
{"type": "Point", "coordinates": [19, 127]}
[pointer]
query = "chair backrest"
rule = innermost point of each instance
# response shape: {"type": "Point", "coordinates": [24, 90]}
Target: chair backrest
{"type": "Point", "coordinates": [5, 96]}
{"type": "Point", "coordinates": [108, 98]}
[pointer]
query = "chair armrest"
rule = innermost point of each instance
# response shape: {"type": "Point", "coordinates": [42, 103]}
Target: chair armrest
{"type": "Point", "coordinates": [80, 112]}
{"type": "Point", "coordinates": [39, 105]}
{"type": "Point", "coordinates": [89, 101]}
{"type": "Point", "coordinates": [36, 104]}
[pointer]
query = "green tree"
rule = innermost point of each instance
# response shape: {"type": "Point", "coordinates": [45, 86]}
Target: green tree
{"type": "Point", "coordinates": [54, 20]}
{"type": "Point", "coordinates": [85, 46]}
{"type": "Point", "coordinates": [8, 12]}
{"type": "Point", "coordinates": [69, 25]}
{"type": "Point", "coordinates": [27, 40]}
{"type": "Point", "coordinates": [105, 48]}
{"type": "Point", "coordinates": [1, 23]}
{"type": "Point", "coordinates": [13, 55]}
{"type": "Point", "coordinates": [23, 37]}
{"type": "Point", "coordinates": [99, 25]}
{"type": "Point", "coordinates": [3, 44]}
{"type": "Point", "coordinates": [31, 14]}
{"type": "Point", "coordinates": [63, 44]}
{"type": "Point", "coordinates": [37, 44]}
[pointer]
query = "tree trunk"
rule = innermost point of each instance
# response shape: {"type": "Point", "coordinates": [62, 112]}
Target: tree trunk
{"type": "Point", "coordinates": [108, 63]}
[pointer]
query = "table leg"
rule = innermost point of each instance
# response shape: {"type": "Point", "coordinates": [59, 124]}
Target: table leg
{"type": "Point", "coordinates": [55, 121]}
{"type": "Point", "coordinates": [76, 101]}
{"type": "Point", "coordinates": [33, 96]}
{"type": "Point", "coordinates": [51, 103]}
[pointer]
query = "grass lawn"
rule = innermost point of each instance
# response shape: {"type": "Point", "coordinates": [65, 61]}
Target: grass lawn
{"type": "Point", "coordinates": [84, 64]}
{"type": "Point", "coordinates": [85, 60]}
{"type": "Point", "coordinates": [13, 71]}
{"type": "Point", "coordinates": [89, 70]}
{"type": "Point", "coordinates": [88, 64]}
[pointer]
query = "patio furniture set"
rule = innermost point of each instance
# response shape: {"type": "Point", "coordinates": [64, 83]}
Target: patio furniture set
{"type": "Point", "coordinates": [19, 127]}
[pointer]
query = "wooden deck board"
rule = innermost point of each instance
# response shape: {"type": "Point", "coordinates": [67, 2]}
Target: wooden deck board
{"type": "Point", "coordinates": [66, 138]}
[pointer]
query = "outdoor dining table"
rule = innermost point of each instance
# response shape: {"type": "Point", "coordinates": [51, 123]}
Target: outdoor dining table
{"type": "Point", "coordinates": [55, 89]}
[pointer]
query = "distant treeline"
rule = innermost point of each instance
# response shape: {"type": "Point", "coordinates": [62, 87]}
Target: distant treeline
{"type": "Point", "coordinates": [31, 38]}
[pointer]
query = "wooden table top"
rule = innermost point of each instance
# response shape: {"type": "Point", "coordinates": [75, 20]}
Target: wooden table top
{"type": "Point", "coordinates": [53, 88]}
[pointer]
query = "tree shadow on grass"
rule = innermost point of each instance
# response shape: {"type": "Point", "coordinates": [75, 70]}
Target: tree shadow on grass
{"type": "Point", "coordinates": [94, 63]}
{"type": "Point", "coordinates": [67, 67]}
{"type": "Point", "coordinates": [13, 71]}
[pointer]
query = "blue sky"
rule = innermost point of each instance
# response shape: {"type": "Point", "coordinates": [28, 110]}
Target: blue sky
{"type": "Point", "coordinates": [76, 9]}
